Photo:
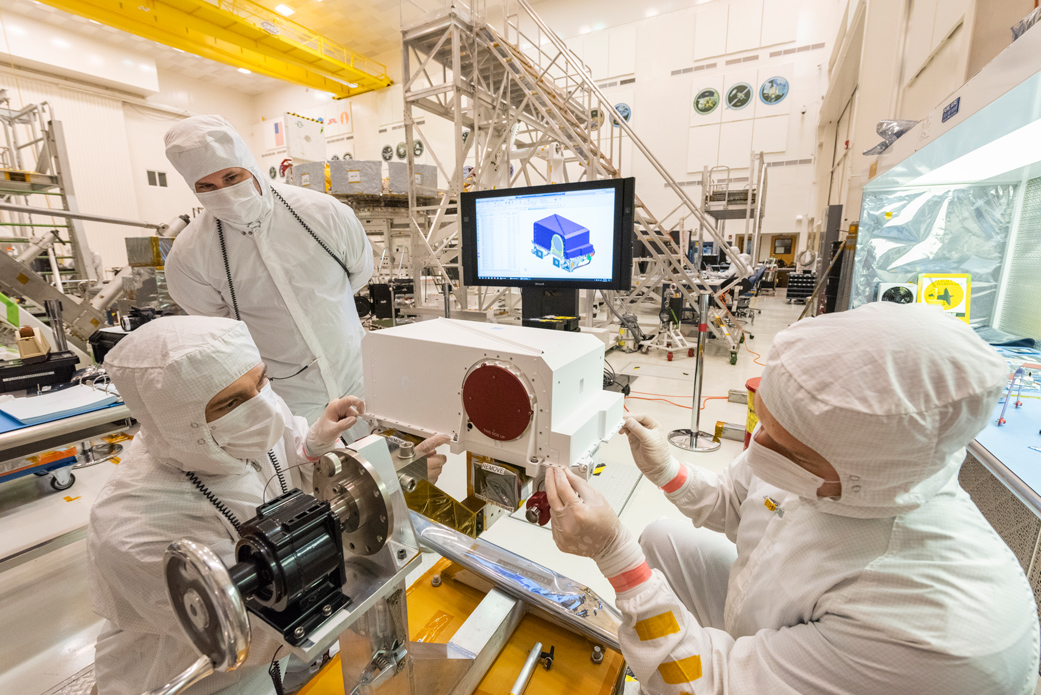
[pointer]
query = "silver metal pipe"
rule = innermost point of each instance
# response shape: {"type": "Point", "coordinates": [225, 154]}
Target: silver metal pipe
{"type": "Point", "coordinates": [38, 245]}
{"type": "Point", "coordinates": [77, 216]}
{"type": "Point", "coordinates": [699, 369]}
{"type": "Point", "coordinates": [54, 313]}
{"type": "Point", "coordinates": [111, 290]}
{"type": "Point", "coordinates": [529, 668]}
{"type": "Point", "coordinates": [567, 601]}
{"type": "Point", "coordinates": [694, 439]}
{"type": "Point", "coordinates": [174, 226]}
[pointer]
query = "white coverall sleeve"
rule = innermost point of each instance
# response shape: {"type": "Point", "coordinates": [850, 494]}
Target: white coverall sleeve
{"type": "Point", "coordinates": [714, 500]}
{"type": "Point", "coordinates": [303, 466]}
{"type": "Point", "coordinates": [671, 654]}
{"type": "Point", "coordinates": [191, 293]}
{"type": "Point", "coordinates": [358, 250]}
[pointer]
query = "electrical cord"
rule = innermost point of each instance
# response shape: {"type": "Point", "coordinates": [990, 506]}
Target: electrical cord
{"type": "Point", "coordinates": [214, 500]}
{"type": "Point", "coordinates": [227, 269]}
{"type": "Point", "coordinates": [220, 506]}
{"type": "Point", "coordinates": [664, 398]}
{"type": "Point", "coordinates": [313, 235]}
{"type": "Point", "coordinates": [275, 671]}
{"type": "Point", "coordinates": [278, 471]}
{"type": "Point", "coordinates": [227, 265]}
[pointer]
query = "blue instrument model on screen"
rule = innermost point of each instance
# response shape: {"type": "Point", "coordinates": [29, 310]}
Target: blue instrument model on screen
{"type": "Point", "coordinates": [565, 241]}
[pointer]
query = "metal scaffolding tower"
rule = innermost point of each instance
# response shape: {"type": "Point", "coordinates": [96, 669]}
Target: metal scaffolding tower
{"type": "Point", "coordinates": [525, 111]}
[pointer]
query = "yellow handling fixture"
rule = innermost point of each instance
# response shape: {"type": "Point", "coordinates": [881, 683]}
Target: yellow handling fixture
{"type": "Point", "coordinates": [242, 34]}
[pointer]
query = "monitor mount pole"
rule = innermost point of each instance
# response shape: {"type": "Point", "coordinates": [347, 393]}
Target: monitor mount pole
{"type": "Point", "coordinates": [694, 439]}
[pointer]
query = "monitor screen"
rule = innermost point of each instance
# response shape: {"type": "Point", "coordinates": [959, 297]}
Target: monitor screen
{"type": "Point", "coordinates": [570, 235]}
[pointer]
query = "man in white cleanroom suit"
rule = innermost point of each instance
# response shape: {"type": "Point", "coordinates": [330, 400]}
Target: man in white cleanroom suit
{"type": "Point", "coordinates": [283, 259]}
{"type": "Point", "coordinates": [838, 554]}
{"type": "Point", "coordinates": [215, 442]}
{"type": "Point", "coordinates": [731, 270]}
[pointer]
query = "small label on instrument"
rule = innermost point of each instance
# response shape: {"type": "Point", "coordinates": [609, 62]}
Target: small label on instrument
{"type": "Point", "coordinates": [305, 179]}
{"type": "Point", "coordinates": [493, 468]}
{"type": "Point", "coordinates": [353, 176]}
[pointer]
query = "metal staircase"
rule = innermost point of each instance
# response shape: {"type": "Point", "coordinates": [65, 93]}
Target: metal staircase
{"type": "Point", "coordinates": [35, 162]}
{"type": "Point", "coordinates": [519, 100]}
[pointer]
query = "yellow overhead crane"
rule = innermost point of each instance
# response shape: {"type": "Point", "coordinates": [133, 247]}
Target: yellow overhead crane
{"type": "Point", "coordinates": [242, 34]}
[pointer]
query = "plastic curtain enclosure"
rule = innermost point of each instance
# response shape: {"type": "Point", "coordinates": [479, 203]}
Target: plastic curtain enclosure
{"type": "Point", "coordinates": [955, 229]}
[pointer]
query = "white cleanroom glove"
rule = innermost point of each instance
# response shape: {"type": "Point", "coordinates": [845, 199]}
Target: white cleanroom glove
{"type": "Point", "coordinates": [650, 449]}
{"type": "Point", "coordinates": [584, 524]}
{"type": "Point", "coordinates": [435, 462]}
{"type": "Point", "coordinates": [339, 416]}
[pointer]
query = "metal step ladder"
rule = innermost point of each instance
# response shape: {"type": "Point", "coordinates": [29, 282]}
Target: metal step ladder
{"type": "Point", "coordinates": [34, 161]}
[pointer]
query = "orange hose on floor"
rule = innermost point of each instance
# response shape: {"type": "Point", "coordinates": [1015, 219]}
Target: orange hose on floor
{"type": "Point", "coordinates": [756, 357]}
{"type": "Point", "coordinates": [704, 401]}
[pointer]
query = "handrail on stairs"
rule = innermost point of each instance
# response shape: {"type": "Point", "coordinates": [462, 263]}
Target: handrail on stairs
{"type": "Point", "coordinates": [703, 219]}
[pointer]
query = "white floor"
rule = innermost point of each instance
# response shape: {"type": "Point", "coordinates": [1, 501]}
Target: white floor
{"type": "Point", "coordinates": [49, 629]}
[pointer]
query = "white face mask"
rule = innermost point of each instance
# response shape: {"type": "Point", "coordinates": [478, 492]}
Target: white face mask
{"type": "Point", "coordinates": [780, 471]}
{"type": "Point", "coordinates": [239, 204]}
{"type": "Point", "coordinates": [253, 428]}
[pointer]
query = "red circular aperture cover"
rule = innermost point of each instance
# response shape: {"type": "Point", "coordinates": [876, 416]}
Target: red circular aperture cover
{"type": "Point", "coordinates": [497, 403]}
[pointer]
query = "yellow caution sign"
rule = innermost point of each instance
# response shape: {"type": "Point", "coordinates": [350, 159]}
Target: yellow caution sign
{"type": "Point", "coordinates": [951, 292]}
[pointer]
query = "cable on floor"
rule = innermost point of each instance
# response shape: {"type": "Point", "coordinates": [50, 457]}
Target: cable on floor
{"type": "Point", "coordinates": [704, 401]}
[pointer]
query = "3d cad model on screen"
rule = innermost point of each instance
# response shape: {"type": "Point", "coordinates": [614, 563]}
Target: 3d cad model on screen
{"type": "Point", "coordinates": [565, 241]}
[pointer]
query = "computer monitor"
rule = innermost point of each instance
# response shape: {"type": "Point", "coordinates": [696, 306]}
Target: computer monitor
{"type": "Point", "coordinates": [572, 236]}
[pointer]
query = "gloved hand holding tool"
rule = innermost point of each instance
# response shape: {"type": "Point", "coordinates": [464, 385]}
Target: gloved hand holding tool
{"type": "Point", "coordinates": [584, 524]}
{"type": "Point", "coordinates": [339, 416]}
{"type": "Point", "coordinates": [650, 449]}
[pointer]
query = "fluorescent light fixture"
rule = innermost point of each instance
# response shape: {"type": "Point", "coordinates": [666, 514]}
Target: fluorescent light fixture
{"type": "Point", "coordinates": [1008, 153]}
{"type": "Point", "coordinates": [584, 30]}
{"type": "Point", "coordinates": [244, 71]}
{"type": "Point", "coordinates": [15, 29]}
{"type": "Point", "coordinates": [61, 43]}
{"type": "Point", "coordinates": [652, 12]}
{"type": "Point", "coordinates": [145, 67]}
{"type": "Point", "coordinates": [284, 10]}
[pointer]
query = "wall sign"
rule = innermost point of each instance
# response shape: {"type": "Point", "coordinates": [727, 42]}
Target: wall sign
{"type": "Point", "coordinates": [706, 101]}
{"type": "Point", "coordinates": [596, 119]}
{"type": "Point", "coordinates": [951, 110]}
{"type": "Point", "coordinates": [739, 96]}
{"type": "Point", "coordinates": [624, 111]}
{"type": "Point", "coordinates": [774, 90]}
{"type": "Point", "coordinates": [401, 150]}
{"type": "Point", "coordinates": [417, 148]}
{"type": "Point", "coordinates": [387, 153]}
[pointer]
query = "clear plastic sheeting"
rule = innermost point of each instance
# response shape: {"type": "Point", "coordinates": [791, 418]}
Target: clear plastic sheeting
{"type": "Point", "coordinates": [890, 131]}
{"type": "Point", "coordinates": [1020, 27]}
{"type": "Point", "coordinates": [575, 604]}
{"type": "Point", "coordinates": [907, 231]}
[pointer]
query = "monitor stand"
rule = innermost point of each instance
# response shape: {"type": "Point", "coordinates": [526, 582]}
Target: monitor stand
{"type": "Point", "coordinates": [544, 301]}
